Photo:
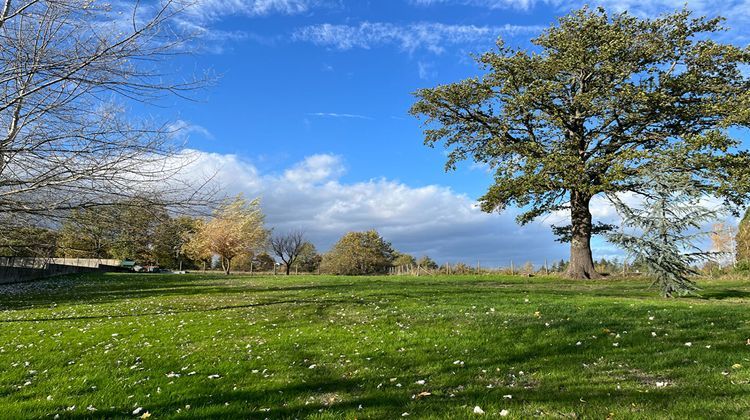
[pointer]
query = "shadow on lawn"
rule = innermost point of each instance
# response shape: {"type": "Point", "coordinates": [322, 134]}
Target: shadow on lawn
{"type": "Point", "coordinates": [725, 294]}
{"type": "Point", "coordinates": [320, 303]}
{"type": "Point", "coordinates": [285, 402]}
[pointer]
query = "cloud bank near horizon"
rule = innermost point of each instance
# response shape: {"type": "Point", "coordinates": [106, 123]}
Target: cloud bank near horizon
{"type": "Point", "coordinates": [429, 220]}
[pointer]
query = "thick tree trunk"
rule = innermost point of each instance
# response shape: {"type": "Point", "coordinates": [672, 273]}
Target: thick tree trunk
{"type": "Point", "coordinates": [288, 267]}
{"type": "Point", "coordinates": [581, 262]}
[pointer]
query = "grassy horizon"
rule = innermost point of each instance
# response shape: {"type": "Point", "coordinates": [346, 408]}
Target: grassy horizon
{"type": "Point", "coordinates": [208, 346]}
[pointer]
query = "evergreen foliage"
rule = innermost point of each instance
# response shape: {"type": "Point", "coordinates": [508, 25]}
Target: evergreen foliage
{"type": "Point", "coordinates": [665, 229]}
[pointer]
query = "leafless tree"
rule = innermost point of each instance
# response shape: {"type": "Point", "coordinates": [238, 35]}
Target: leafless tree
{"type": "Point", "coordinates": [70, 70]}
{"type": "Point", "coordinates": [288, 246]}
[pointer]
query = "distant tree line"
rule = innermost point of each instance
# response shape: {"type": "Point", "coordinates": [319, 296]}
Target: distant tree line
{"type": "Point", "coordinates": [233, 237]}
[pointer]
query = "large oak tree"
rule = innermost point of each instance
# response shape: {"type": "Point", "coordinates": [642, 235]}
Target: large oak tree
{"type": "Point", "coordinates": [597, 98]}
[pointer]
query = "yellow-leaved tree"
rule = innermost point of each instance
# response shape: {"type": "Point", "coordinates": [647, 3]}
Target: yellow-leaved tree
{"type": "Point", "coordinates": [236, 228]}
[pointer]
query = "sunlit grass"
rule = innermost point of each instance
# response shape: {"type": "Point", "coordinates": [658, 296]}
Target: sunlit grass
{"type": "Point", "coordinates": [324, 347]}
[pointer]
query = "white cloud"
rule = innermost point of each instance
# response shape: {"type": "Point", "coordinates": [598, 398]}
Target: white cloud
{"type": "Point", "coordinates": [181, 129]}
{"type": "Point", "coordinates": [737, 11]}
{"type": "Point", "coordinates": [210, 10]}
{"type": "Point", "coordinates": [490, 4]}
{"type": "Point", "coordinates": [339, 115]}
{"type": "Point", "coordinates": [433, 37]}
{"type": "Point", "coordinates": [432, 220]}
{"type": "Point", "coordinates": [426, 70]}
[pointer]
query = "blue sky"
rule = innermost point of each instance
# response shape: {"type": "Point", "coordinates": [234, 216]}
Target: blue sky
{"type": "Point", "coordinates": [310, 113]}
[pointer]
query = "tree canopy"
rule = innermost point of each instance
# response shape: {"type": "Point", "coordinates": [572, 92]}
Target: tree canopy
{"type": "Point", "coordinates": [598, 98]}
{"type": "Point", "coordinates": [236, 228]}
{"type": "Point", "coordinates": [359, 253]}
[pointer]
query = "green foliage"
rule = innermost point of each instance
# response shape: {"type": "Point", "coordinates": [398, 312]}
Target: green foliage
{"type": "Point", "coordinates": [263, 262]}
{"type": "Point", "coordinates": [600, 97]}
{"type": "Point", "coordinates": [131, 230]}
{"type": "Point", "coordinates": [427, 262]}
{"type": "Point", "coordinates": [89, 233]}
{"type": "Point", "coordinates": [666, 229]}
{"type": "Point", "coordinates": [309, 259]}
{"type": "Point", "coordinates": [359, 253]}
{"type": "Point", "coordinates": [28, 242]}
{"type": "Point", "coordinates": [404, 260]}
{"type": "Point", "coordinates": [170, 240]}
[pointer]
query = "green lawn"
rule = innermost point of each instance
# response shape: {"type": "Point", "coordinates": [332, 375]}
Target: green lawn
{"type": "Point", "coordinates": [323, 347]}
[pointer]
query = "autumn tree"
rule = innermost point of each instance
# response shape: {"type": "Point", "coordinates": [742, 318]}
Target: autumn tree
{"type": "Point", "coordinates": [287, 247]}
{"type": "Point", "coordinates": [742, 239]}
{"type": "Point", "coordinates": [236, 228]}
{"type": "Point", "coordinates": [723, 243]}
{"type": "Point", "coordinates": [597, 98]}
{"type": "Point", "coordinates": [359, 253]}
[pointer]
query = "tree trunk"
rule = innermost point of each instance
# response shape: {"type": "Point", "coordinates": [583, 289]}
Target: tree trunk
{"type": "Point", "coordinates": [227, 265]}
{"type": "Point", "coordinates": [288, 267]}
{"type": "Point", "coordinates": [581, 263]}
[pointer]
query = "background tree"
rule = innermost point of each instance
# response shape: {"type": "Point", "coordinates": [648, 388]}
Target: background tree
{"type": "Point", "coordinates": [427, 262]}
{"type": "Point", "coordinates": [288, 247]}
{"type": "Point", "coordinates": [34, 242]}
{"type": "Point", "coordinates": [236, 228]}
{"type": "Point", "coordinates": [68, 69]}
{"type": "Point", "coordinates": [742, 239]}
{"type": "Point", "coordinates": [89, 233]}
{"type": "Point", "coordinates": [309, 259]}
{"type": "Point", "coordinates": [123, 231]}
{"type": "Point", "coordinates": [666, 229]}
{"type": "Point", "coordinates": [170, 242]}
{"type": "Point", "coordinates": [722, 244]}
{"type": "Point", "coordinates": [359, 253]}
{"type": "Point", "coordinates": [196, 248]}
{"type": "Point", "coordinates": [135, 226]}
{"type": "Point", "coordinates": [403, 260]}
{"type": "Point", "coordinates": [264, 262]}
{"type": "Point", "coordinates": [598, 98]}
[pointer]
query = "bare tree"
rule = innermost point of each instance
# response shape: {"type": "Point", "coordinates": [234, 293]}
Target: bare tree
{"type": "Point", "coordinates": [69, 71]}
{"type": "Point", "coordinates": [288, 247]}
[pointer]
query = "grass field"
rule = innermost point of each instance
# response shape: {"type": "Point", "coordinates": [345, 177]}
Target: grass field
{"type": "Point", "coordinates": [323, 347]}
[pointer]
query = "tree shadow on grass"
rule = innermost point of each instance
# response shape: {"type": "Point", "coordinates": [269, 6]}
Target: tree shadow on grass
{"type": "Point", "coordinates": [725, 294]}
{"type": "Point", "coordinates": [287, 401]}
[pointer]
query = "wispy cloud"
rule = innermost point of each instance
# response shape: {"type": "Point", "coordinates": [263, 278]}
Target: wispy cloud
{"type": "Point", "coordinates": [338, 115]}
{"type": "Point", "coordinates": [433, 37]}
{"type": "Point", "coordinates": [490, 4]}
{"type": "Point", "coordinates": [210, 10]}
{"type": "Point", "coordinates": [426, 70]}
{"type": "Point", "coordinates": [181, 129]}
{"type": "Point", "coordinates": [734, 10]}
